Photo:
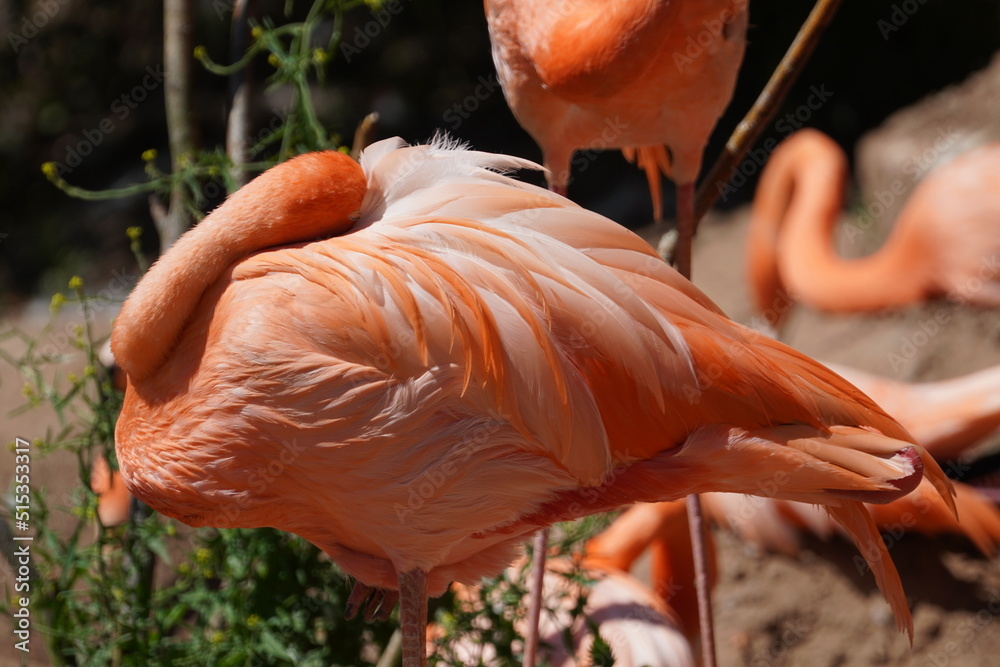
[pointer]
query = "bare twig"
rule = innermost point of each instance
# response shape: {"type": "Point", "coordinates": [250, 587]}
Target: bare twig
{"type": "Point", "coordinates": [760, 115]}
{"type": "Point", "coordinates": [238, 125]}
{"type": "Point", "coordinates": [393, 651]}
{"type": "Point", "coordinates": [365, 134]}
{"type": "Point", "coordinates": [177, 57]}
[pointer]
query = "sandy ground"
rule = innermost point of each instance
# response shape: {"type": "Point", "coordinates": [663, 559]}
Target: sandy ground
{"type": "Point", "coordinates": [817, 609]}
{"type": "Point", "coordinates": [770, 609]}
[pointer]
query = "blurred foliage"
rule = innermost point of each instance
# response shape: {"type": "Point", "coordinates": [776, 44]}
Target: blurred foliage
{"type": "Point", "coordinates": [66, 68]}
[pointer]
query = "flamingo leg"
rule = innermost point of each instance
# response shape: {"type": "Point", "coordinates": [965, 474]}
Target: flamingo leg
{"type": "Point", "coordinates": [682, 258]}
{"type": "Point", "coordinates": [413, 617]}
{"type": "Point", "coordinates": [685, 228]}
{"type": "Point", "coordinates": [535, 602]}
{"type": "Point", "coordinates": [699, 549]}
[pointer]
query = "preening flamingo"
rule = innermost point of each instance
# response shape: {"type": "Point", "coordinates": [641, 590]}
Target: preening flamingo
{"type": "Point", "coordinates": [416, 362]}
{"type": "Point", "coordinates": [946, 241]}
{"type": "Point", "coordinates": [651, 78]}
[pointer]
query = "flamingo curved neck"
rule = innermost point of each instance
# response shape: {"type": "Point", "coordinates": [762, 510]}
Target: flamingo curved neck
{"type": "Point", "coordinates": [803, 196]}
{"type": "Point", "coordinates": [308, 197]}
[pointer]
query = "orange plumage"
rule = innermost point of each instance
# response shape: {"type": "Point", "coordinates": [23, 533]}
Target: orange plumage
{"type": "Point", "coordinates": [445, 359]}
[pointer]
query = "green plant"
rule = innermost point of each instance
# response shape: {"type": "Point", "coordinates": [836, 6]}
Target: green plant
{"type": "Point", "coordinates": [291, 54]}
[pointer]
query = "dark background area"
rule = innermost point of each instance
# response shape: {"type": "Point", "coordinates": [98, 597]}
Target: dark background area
{"type": "Point", "coordinates": [65, 66]}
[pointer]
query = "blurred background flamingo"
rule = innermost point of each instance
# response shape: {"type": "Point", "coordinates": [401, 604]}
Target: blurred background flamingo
{"type": "Point", "coordinates": [946, 241]}
{"type": "Point", "coordinates": [948, 417]}
{"type": "Point", "coordinates": [475, 337]}
{"type": "Point", "coordinates": [593, 593]}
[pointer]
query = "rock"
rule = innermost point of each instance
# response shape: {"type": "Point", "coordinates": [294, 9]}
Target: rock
{"type": "Point", "coordinates": [893, 158]}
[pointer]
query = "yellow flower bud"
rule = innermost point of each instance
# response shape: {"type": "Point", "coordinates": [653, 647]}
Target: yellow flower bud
{"type": "Point", "coordinates": [58, 299]}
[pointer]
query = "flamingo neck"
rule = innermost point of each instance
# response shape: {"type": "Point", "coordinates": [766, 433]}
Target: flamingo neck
{"type": "Point", "coordinates": [801, 195]}
{"type": "Point", "coordinates": [309, 197]}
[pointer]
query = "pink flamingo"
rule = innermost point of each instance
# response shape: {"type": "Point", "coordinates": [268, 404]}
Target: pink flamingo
{"type": "Point", "coordinates": [417, 362]}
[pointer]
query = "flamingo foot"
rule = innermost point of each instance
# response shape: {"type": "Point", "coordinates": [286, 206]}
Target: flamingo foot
{"type": "Point", "coordinates": [359, 594]}
{"type": "Point", "coordinates": [378, 602]}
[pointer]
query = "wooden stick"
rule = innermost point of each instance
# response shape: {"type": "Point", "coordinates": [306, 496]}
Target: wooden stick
{"type": "Point", "coordinates": [762, 112]}
{"type": "Point", "coordinates": [696, 521]}
{"type": "Point", "coordinates": [364, 136]}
